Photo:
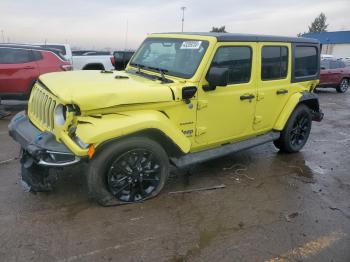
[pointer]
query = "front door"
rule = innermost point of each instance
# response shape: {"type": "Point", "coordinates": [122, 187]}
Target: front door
{"type": "Point", "coordinates": [273, 83]}
{"type": "Point", "coordinates": [227, 113]}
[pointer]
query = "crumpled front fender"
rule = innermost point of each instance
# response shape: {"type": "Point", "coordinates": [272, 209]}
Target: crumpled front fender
{"type": "Point", "coordinates": [98, 129]}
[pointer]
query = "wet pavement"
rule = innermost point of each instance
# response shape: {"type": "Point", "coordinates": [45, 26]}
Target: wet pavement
{"type": "Point", "coordinates": [274, 207]}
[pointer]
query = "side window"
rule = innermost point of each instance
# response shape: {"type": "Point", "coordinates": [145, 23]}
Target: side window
{"type": "Point", "coordinates": [238, 60]}
{"type": "Point", "coordinates": [306, 61]}
{"type": "Point", "coordinates": [15, 56]}
{"type": "Point", "coordinates": [325, 64]}
{"type": "Point", "coordinates": [37, 55]}
{"type": "Point", "coordinates": [334, 64]}
{"type": "Point", "coordinates": [341, 64]}
{"type": "Point", "coordinates": [274, 62]}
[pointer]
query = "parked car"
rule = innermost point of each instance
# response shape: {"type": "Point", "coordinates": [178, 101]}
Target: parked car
{"type": "Point", "coordinates": [334, 73]}
{"type": "Point", "coordinates": [216, 94]}
{"type": "Point", "coordinates": [93, 60]}
{"type": "Point", "coordinates": [63, 48]}
{"type": "Point", "coordinates": [21, 65]}
{"type": "Point", "coordinates": [122, 58]}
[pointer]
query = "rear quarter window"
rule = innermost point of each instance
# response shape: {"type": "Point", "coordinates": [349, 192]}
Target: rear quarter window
{"type": "Point", "coordinates": [305, 62]}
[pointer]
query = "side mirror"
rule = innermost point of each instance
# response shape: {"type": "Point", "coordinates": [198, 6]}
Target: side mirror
{"type": "Point", "coordinates": [323, 68]}
{"type": "Point", "coordinates": [216, 77]}
{"type": "Point", "coordinates": [188, 92]}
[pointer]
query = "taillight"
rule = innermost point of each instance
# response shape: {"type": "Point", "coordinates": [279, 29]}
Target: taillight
{"type": "Point", "coordinates": [66, 67]}
{"type": "Point", "coordinates": [113, 60]}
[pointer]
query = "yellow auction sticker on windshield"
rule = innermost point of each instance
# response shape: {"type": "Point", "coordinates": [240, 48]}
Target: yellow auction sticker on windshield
{"type": "Point", "coordinates": [191, 44]}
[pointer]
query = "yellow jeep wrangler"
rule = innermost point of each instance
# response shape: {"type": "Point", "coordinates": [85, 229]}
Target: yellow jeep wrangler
{"type": "Point", "coordinates": [183, 99]}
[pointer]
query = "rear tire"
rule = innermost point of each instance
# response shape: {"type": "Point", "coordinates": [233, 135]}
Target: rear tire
{"type": "Point", "coordinates": [296, 132]}
{"type": "Point", "coordinates": [343, 86]}
{"type": "Point", "coordinates": [130, 170]}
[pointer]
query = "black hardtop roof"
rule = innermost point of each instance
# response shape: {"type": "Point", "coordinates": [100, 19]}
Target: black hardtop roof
{"type": "Point", "coordinates": [230, 37]}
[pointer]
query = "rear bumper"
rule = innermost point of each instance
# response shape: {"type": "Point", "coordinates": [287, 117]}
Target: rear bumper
{"type": "Point", "coordinates": [42, 147]}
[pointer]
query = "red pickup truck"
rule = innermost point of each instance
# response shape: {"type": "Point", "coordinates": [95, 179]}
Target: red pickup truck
{"type": "Point", "coordinates": [334, 73]}
{"type": "Point", "coordinates": [20, 66]}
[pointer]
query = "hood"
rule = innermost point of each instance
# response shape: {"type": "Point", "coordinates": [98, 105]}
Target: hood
{"type": "Point", "coordinates": [93, 89]}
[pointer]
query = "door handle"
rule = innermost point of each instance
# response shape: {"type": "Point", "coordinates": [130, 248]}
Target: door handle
{"type": "Point", "coordinates": [247, 97]}
{"type": "Point", "coordinates": [28, 67]}
{"type": "Point", "coordinates": [281, 91]}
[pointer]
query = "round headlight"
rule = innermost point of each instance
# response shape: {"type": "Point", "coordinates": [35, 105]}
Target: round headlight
{"type": "Point", "coordinates": [60, 115]}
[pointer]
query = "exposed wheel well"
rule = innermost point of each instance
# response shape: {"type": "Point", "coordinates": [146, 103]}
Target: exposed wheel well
{"type": "Point", "coordinates": [312, 104]}
{"type": "Point", "coordinates": [169, 146]}
{"type": "Point", "coordinates": [94, 66]}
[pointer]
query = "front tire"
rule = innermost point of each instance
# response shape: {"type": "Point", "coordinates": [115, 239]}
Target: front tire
{"type": "Point", "coordinates": [296, 132]}
{"type": "Point", "coordinates": [343, 86]}
{"type": "Point", "coordinates": [130, 170]}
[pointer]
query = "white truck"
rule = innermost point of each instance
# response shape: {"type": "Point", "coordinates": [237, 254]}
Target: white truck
{"type": "Point", "coordinates": [65, 49]}
{"type": "Point", "coordinates": [93, 60]}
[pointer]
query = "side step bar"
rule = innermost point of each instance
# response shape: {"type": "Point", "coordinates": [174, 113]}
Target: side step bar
{"type": "Point", "coordinates": [198, 157]}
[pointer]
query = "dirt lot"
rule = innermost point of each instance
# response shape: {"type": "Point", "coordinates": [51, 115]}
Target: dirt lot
{"type": "Point", "coordinates": [274, 207]}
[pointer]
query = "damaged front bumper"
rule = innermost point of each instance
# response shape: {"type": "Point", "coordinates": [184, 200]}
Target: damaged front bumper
{"type": "Point", "coordinates": [40, 152]}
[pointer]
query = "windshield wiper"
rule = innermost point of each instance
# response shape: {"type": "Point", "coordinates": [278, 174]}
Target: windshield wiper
{"type": "Point", "coordinates": [139, 66]}
{"type": "Point", "coordinates": [161, 71]}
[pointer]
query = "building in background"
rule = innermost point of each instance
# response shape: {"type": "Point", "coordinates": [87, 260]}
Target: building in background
{"type": "Point", "coordinates": [333, 43]}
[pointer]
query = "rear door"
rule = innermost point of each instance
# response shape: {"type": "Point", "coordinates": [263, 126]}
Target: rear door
{"type": "Point", "coordinates": [274, 76]}
{"type": "Point", "coordinates": [18, 70]}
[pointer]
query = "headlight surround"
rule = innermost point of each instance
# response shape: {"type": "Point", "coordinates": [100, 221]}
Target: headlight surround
{"type": "Point", "coordinates": [60, 115]}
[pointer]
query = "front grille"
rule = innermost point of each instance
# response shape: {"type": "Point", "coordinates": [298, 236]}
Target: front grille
{"type": "Point", "coordinates": [41, 108]}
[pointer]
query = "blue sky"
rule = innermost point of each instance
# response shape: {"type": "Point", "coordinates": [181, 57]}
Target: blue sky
{"type": "Point", "coordinates": [102, 23]}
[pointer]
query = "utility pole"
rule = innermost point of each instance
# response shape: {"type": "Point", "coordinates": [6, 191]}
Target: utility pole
{"type": "Point", "coordinates": [126, 34]}
{"type": "Point", "coordinates": [183, 8]}
{"type": "Point", "coordinates": [3, 36]}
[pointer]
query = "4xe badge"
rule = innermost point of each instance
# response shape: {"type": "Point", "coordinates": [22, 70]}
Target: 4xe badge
{"type": "Point", "coordinates": [187, 132]}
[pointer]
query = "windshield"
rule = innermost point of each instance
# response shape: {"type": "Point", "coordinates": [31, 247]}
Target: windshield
{"type": "Point", "coordinates": [177, 57]}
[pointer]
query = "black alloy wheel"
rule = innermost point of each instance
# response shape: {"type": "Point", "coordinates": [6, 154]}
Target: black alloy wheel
{"type": "Point", "coordinates": [128, 170]}
{"type": "Point", "coordinates": [300, 131]}
{"type": "Point", "coordinates": [296, 131]}
{"type": "Point", "coordinates": [134, 175]}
